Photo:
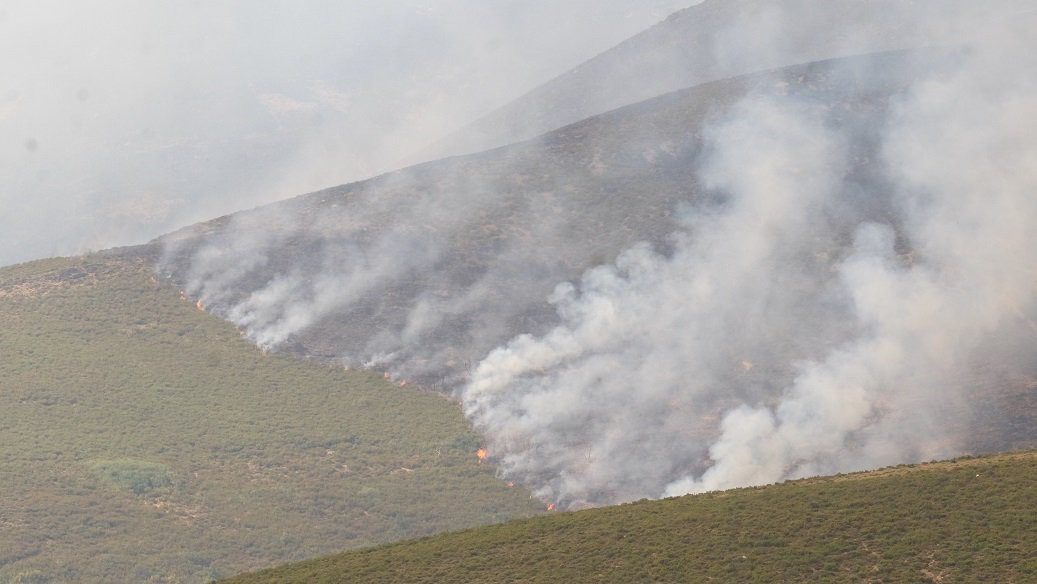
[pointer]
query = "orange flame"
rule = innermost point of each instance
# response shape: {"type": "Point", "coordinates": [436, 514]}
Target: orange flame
{"type": "Point", "coordinates": [550, 507]}
{"type": "Point", "coordinates": [200, 305]}
{"type": "Point", "coordinates": [481, 453]}
{"type": "Point", "coordinates": [511, 484]}
{"type": "Point", "coordinates": [385, 375]}
{"type": "Point", "coordinates": [182, 295]}
{"type": "Point", "coordinates": [403, 383]}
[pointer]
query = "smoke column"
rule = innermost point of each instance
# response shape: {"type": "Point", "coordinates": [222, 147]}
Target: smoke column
{"type": "Point", "coordinates": [764, 349]}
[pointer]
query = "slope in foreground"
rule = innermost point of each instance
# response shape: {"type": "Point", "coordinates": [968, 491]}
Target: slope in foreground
{"type": "Point", "coordinates": [966, 520]}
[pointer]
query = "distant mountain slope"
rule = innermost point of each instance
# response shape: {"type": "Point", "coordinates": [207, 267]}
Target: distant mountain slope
{"type": "Point", "coordinates": [718, 39]}
{"type": "Point", "coordinates": [959, 521]}
{"type": "Point", "coordinates": [142, 440]}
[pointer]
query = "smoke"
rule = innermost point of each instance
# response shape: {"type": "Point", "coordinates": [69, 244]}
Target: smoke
{"type": "Point", "coordinates": [387, 273]}
{"type": "Point", "coordinates": [662, 339]}
{"type": "Point", "coordinates": [763, 348]}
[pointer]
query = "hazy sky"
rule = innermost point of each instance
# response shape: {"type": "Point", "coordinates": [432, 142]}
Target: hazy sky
{"type": "Point", "coordinates": [122, 120]}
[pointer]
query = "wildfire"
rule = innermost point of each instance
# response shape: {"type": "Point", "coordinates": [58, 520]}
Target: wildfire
{"type": "Point", "coordinates": [200, 305]}
{"type": "Point", "coordinates": [385, 375]}
{"type": "Point", "coordinates": [747, 365]}
{"type": "Point", "coordinates": [511, 484]}
{"type": "Point", "coordinates": [550, 507]}
{"type": "Point", "coordinates": [481, 453]}
{"type": "Point", "coordinates": [183, 296]}
{"type": "Point", "coordinates": [403, 383]}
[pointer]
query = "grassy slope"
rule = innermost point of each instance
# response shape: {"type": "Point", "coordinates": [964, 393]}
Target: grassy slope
{"type": "Point", "coordinates": [969, 520]}
{"type": "Point", "coordinates": [143, 440]}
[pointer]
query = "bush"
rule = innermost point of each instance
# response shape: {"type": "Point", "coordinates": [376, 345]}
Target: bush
{"type": "Point", "coordinates": [137, 476]}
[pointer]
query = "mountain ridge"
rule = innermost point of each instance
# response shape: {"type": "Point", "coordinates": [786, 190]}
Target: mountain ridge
{"type": "Point", "coordinates": [709, 41]}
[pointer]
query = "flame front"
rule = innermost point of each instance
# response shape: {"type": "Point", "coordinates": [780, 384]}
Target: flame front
{"type": "Point", "coordinates": [481, 453]}
{"type": "Point", "coordinates": [200, 305]}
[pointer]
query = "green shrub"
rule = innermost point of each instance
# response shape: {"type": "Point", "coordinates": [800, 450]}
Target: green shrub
{"type": "Point", "coordinates": [137, 476]}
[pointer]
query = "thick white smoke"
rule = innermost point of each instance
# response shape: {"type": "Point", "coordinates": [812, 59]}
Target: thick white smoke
{"type": "Point", "coordinates": [758, 351]}
{"type": "Point", "coordinates": [607, 398]}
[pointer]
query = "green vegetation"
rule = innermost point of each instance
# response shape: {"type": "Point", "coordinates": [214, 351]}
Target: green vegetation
{"type": "Point", "coordinates": [968, 520]}
{"type": "Point", "coordinates": [142, 440]}
{"type": "Point", "coordinates": [136, 476]}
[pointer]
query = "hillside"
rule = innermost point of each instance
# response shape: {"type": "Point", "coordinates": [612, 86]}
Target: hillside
{"type": "Point", "coordinates": [752, 263]}
{"type": "Point", "coordinates": [966, 520]}
{"type": "Point", "coordinates": [719, 39]}
{"type": "Point", "coordinates": [143, 440]}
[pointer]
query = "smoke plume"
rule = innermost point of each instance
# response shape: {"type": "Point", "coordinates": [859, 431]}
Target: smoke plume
{"type": "Point", "coordinates": [762, 348]}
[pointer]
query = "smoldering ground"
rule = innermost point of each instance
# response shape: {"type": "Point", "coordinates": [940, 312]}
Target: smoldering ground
{"type": "Point", "coordinates": [815, 270]}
